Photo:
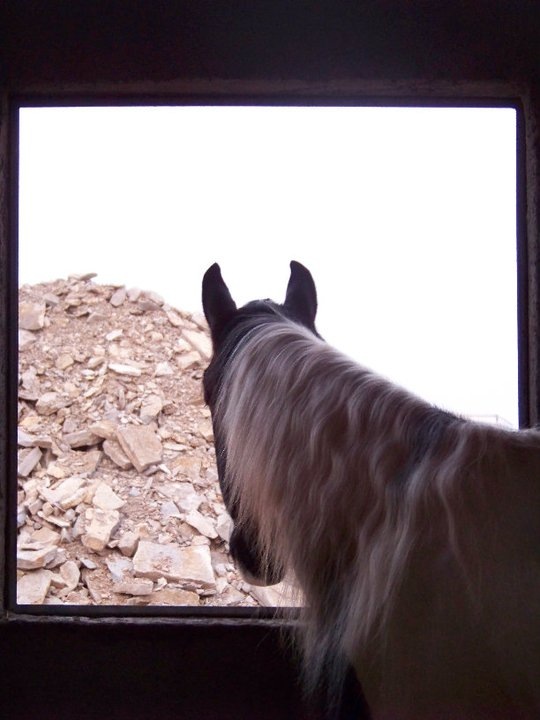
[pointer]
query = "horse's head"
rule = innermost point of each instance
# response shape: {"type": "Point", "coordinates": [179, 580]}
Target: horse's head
{"type": "Point", "coordinates": [228, 326]}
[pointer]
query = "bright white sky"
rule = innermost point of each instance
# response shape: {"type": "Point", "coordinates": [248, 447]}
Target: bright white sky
{"type": "Point", "coordinates": [406, 218]}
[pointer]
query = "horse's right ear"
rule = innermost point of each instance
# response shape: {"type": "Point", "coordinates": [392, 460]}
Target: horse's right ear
{"type": "Point", "coordinates": [301, 296]}
{"type": "Point", "coordinates": [218, 304]}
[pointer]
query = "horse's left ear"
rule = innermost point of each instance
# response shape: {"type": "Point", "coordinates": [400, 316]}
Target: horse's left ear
{"type": "Point", "coordinates": [218, 304]}
{"type": "Point", "coordinates": [301, 297]}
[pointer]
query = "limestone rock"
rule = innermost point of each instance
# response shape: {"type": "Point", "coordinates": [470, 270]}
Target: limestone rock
{"type": "Point", "coordinates": [197, 565]}
{"type": "Point", "coordinates": [189, 360]}
{"type": "Point", "coordinates": [164, 369]}
{"type": "Point", "coordinates": [81, 438]}
{"type": "Point", "coordinates": [32, 315]}
{"type": "Point", "coordinates": [66, 494]}
{"type": "Point", "coordinates": [280, 595]}
{"type": "Point", "coordinates": [224, 526]}
{"type": "Point", "coordinates": [183, 495]}
{"type": "Point", "coordinates": [25, 439]}
{"type": "Point", "coordinates": [174, 563]}
{"type": "Point", "coordinates": [100, 528]}
{"type": "Point", "coordinates": [26, 338]}
{"type": "Point", "coordinates": [118, 297]}
{"type": "Point", "coordinates": [104, 429]}
{"type": "Point", "coordinates": [32, 588]}
{"type": "Point", "coordinates": [174, 318]}
{"type": "Point", "coordinates": [155, 561]}
{"type": "Point", "coordinates": [206, 430]}
{"type": "Point", "coordinates": [51, 402]}
{"type": "Point", "coordinates": [200, 342]}
{"type": "Point", "coordinates": [27, 461]}
{"type": "Point", "coordinates": [140, 586]}
{"type": "Point", "coordinates": [119, 567]}
{"type": "Point", "coordinates": [187, 466]}
{"type": "Point", "coordinates": [127, 544]}
{"type": "Point", "coordinates": [141, 445]}
{"type": "Point", "coordinates": [34, 559]}
{"type": "Point", "coordinates": [204, 525]}
{"type": "Point", "coordinates": [173, 596]}
{"type": "Point", "coordinates": [112, 449]}
{"type": "Point", "coordinates": [169, 509]}
{"type": "Point", "coordinates": [63, 361]}
{"type": "Point", "coordinates": [71, 574]}
{"type": "Point", "coordinates": [123, 369]}
{"type": "Point", "coordinates": [106, 499]}
{"type": "Point", "coordinates": [85, 463]}
{"type": "Point", "coordinates": [150, 408]}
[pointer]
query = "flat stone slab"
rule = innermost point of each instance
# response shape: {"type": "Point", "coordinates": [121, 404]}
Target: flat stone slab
{"type": "Point", "coordinates": [192, 564]}
{"type": "Point", "coordinates": [141, 444]}
{"type": "Point", "coordinates": [35, 559]}
{"type": "Point", "coordinates": [33, 587]}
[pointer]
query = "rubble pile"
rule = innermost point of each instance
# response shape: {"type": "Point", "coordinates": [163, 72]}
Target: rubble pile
{"type": "Point", "coordinates": [118, 500]}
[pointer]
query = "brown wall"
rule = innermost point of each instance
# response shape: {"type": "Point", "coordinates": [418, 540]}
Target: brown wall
{"type": "Point", "coordinates": [65, 51]}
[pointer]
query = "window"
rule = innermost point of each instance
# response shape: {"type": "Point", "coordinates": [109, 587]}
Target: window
{"type": "Point", "coordinates": [407, 219]}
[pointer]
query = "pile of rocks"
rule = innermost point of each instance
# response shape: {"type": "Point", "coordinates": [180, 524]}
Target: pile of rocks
{"type": "Point", "coordinates": [118, 500]}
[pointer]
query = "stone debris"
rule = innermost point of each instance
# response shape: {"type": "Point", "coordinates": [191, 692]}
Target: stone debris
{"type": "Point", "coordinates": [118, 498]}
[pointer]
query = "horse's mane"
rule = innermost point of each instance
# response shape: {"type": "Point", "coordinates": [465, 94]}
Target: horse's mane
{"type": "Point", "coordinates": [349, 477]}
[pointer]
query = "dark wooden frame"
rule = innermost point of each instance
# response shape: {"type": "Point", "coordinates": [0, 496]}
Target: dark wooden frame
{"type": "Point", "coordinates": [334, 51]}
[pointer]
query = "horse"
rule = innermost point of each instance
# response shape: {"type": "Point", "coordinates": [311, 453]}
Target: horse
{"type": "Point", "coordinates": [413, 533]}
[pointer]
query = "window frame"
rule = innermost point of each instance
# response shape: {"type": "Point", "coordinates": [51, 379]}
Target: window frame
{"type": "Point", "coordinates": [209, 611]}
